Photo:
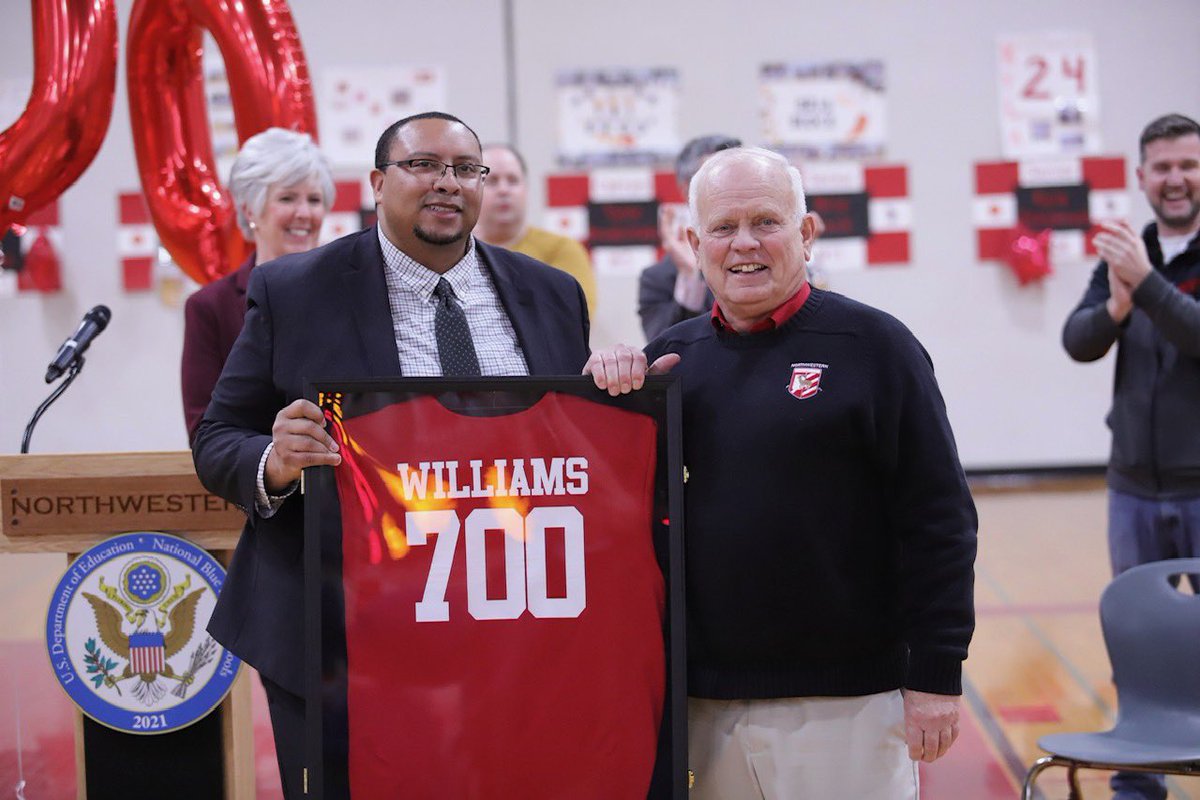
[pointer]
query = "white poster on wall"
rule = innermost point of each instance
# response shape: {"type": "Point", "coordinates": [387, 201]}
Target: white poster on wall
{"type": "Point", "coordinates": [356, 104]}
{"type": "Point", "coordinates": [1049, 94]}
{"type": "Point", "coordinates": [824, 110]}
{"type": "Point", "coordinates": [617, 117]}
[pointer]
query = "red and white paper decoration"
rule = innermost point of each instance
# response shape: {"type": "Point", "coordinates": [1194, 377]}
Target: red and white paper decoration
{"type": "Point", "coordinates": [41, 251]}
{"type": "Point", "coordinates": [866, 211]}
{"type": "Point", "coordinates": [614, 212]}
{"type": "Point", "coordinates": [1067, 195]}
{"type": "Point", "coordinates": [137, 242]}
{"type": "Point", "coordinates": [345, 215]}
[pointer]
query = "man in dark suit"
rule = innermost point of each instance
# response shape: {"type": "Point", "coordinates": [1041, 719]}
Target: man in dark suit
{"type": "Point", "coordinates": [367, 305]}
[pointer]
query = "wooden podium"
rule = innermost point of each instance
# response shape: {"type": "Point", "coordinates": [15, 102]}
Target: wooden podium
{"type": "Point", "coordinates": [65, 503]}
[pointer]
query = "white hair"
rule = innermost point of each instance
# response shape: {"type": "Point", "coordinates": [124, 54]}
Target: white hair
{"type": "Point", "coordinates": [275, 157]}
{"type": "Point", "coordinates": [768, 158]}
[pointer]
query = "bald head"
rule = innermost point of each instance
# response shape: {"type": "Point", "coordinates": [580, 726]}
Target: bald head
{"type": "Point", "coordinates": [750, 233]}
{"type": "Point", "coordinates": [766, 163]}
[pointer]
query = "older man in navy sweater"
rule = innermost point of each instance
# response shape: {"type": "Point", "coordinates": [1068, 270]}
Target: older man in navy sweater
{"type": "Point", "coordinates": [830, 531]}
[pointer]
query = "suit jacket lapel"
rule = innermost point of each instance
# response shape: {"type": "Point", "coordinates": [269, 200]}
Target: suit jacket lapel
{"type": "Point", "coordinates": [519, 303]}
{"type": "Point", "coordinates": [365, 300]}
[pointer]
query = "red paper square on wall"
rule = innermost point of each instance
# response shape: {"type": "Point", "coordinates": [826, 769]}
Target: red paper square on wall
{"type": "Point", "coordinates": [887, 248]}
{"type": "Point", "coordinates": [567, 190]}
{"type": "Point", "coordinates": [137, 274]}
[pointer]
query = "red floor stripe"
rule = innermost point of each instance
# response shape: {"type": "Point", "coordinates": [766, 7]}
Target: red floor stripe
{"type": "Point", "coordinates": [970, 770]}
{"type": "Point", "coordinates": [1033, 713]}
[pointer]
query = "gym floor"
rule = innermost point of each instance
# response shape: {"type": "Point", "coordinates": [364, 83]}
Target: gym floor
{"type": "Point", "coordinates": [1037, 662]}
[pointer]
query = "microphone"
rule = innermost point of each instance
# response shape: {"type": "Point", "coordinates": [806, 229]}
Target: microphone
{"type": "Point", "coordinates": [72, 349]}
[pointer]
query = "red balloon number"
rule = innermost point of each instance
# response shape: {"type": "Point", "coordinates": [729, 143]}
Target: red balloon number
{"type": "Point", "coordinates": [57, 136]}
{"type": "Point", "coordinates": [269, 86]}
{"type": "Point", "coordinates": [66, 119]}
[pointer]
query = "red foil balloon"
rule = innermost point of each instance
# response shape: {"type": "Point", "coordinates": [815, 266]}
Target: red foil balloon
{"type": "Point", "coordinates": [57, 136]}
{"type": "Point", "coordinates": [269, 86]}
{"type": "Point", "coordinates": [1029, 254]}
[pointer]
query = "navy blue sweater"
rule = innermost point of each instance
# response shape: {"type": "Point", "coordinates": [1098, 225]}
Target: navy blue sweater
{"type": "Point", "coordinates": [830, 531]}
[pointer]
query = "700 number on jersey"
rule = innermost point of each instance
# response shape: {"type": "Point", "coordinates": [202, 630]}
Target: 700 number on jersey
{"type": "Point", "coordinates": [524, 561]}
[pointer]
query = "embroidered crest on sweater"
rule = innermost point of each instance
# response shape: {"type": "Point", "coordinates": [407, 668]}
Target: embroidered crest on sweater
{"type": "Point", "coordinates": [806, 380]}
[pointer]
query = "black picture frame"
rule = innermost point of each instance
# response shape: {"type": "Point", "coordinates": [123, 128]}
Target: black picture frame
{"type": "Point", "coordinates": [326, 734]}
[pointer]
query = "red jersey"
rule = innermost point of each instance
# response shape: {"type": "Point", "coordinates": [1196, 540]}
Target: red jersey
{"type": "Point", "coordinates": [504, 607]}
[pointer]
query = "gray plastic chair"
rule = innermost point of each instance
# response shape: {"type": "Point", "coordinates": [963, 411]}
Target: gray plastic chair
{"type": "Point", "coordinates": [1152, 632]}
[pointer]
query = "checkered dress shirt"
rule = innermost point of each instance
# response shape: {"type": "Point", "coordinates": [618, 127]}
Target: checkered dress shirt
{"type": "Point", "coordinates": [410, 296]}
{"type": "Point", "coordinates": [413, 306]}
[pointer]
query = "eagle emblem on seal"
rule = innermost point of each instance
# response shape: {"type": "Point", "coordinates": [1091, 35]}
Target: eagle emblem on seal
{"type": "Point", "coordinates": [145, 627]}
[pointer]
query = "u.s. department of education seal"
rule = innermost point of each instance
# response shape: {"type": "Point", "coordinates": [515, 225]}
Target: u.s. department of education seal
{"type": "Point", "coordinates": [126, 633]}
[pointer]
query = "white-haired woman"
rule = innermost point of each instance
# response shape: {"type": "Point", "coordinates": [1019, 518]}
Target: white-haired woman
{"type": "Point", "coordinates": [281, 187]}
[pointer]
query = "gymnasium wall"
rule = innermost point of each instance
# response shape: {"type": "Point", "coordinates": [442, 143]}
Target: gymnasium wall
{"type": "Point", "coordinates": [1014, 397]}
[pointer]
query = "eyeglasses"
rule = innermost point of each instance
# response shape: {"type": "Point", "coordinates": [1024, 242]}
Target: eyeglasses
{"type": "Point", "coordinates": [431, 168]}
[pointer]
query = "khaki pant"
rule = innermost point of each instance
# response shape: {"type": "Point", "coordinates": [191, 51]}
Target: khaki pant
{"type": "Point", "coordinates": [795, 748]}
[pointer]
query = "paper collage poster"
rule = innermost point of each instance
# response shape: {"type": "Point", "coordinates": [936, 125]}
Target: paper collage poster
{"type": "Point", "coordinates": [617, 117]}
{"type": "Point", "coordinates": [1049, 95]}
{"type": "Point", "coordinates": [824, 110]}
{"type": "Point", "coordinates": [355, 105]}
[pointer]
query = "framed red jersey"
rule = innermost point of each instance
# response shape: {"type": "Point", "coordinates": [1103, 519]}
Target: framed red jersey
{"type": "Point", "coordinates": [495, 591]}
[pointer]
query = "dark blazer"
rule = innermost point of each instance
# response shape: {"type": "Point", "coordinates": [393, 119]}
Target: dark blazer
{"type": "Point", "coordinates": [656, 299]}
{"type": "Point", "coordinates": [324, 314]}
{"type": "Point", "coordinates": [212, 320]}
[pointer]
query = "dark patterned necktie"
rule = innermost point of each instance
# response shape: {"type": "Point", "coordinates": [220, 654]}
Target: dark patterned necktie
{"type": "Point", "coordinates": [455, 348]}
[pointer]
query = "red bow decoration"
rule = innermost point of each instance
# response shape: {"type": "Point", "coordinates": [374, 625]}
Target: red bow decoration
{"type": "Point", "coordinates": [1029, 254]}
